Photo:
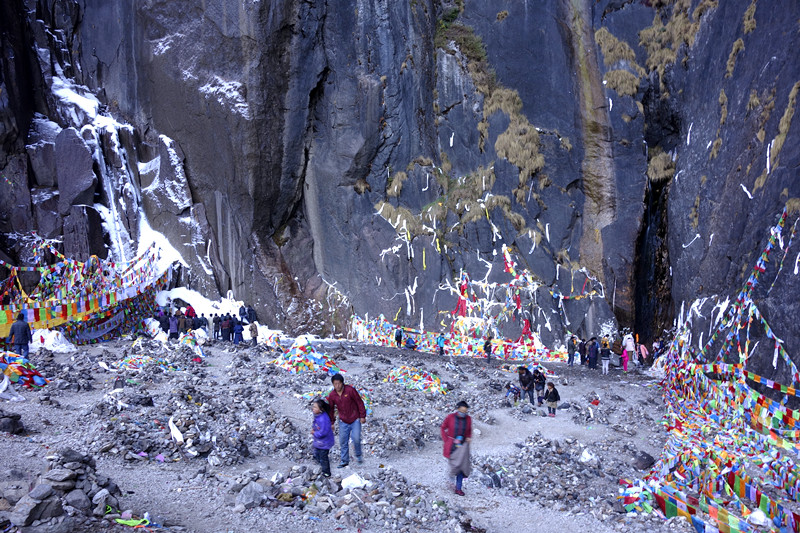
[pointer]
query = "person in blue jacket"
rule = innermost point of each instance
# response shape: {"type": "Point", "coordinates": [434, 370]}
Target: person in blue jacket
{"type": "Point", "coordinates": [237, 333]}
{"type": "Point", "coordinates": [322, 431]}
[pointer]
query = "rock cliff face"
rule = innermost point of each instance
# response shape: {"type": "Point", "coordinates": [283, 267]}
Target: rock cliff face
{"type": "Point", "coordinates": [319, 160]}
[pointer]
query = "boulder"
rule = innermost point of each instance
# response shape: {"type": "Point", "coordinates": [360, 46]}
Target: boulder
{"type": "Point", "coordinates": [78, 499]}
{"type": "Point", "coordinates": [251, 495]}
{"type": "Point", "coordinates": [642, 460]}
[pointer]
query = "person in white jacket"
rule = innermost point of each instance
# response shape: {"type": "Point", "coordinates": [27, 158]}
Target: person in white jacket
{"type": "Point", "coordinates": [628, 350]}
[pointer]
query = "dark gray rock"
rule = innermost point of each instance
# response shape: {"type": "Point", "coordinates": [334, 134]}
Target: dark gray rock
{"type": "Point", "coordinates": [11, 424]}
{"type": "Point", "coordinates": [642, 460]}
{"type": "Point", "coordinates": [41, 491]}
{"type": "Point", "coordinates": [24, 511]}
{"type": "Point", "coordinates": [251, 495]}
{"type": "Point", "coordinates": [60, 474]}
{"type": "Point", "coordinates": [76, 179]}
{"type": "Point", "coordinates": [78, 499]}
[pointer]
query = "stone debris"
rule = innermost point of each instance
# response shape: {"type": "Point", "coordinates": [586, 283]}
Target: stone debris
{"type": "Point", "coordinates": [248, 410]}
{"type": "Point", "coordinates": [69, 496]}
{"type": "Point", "coordinates": [385, 500]}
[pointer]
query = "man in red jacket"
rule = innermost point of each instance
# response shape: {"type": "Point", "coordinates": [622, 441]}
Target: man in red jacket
{"type": "Point", "coordinates": [352, 414]}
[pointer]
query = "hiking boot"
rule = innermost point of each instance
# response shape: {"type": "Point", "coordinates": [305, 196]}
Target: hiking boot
{"type": "Point", "coordinates": [359, 460]}
{"type": "Point", "coordinates": [552, 414]}
{"type": "Point", "coordinates": [459, 492]}
{"type": "Point", "coordinates": [342, 465]}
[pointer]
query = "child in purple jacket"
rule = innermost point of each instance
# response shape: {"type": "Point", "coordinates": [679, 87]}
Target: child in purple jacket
{"type": "Point", "coordinates": [323, 435]}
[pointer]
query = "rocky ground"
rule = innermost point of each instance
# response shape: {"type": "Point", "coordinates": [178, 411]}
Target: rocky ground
{"type": "Point", "coordinates": [95, 446]}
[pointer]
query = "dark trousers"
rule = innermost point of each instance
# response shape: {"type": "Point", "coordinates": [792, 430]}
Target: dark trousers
{"type": "Point", "coordinates": [321, 457]}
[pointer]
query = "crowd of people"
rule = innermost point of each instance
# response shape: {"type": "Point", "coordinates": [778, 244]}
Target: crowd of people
{"type": "Point", "coordinates": [223, 326]}
{"type": "Point", "coordinates": [628, 348]}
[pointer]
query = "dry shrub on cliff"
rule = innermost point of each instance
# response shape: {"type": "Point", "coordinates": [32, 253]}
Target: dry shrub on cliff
{"type": "Point", "coordinates": [661, 167]}
{"type": "Point", "coordinates": [783, 126]}
{"type": "Point", "coordinates": [396, 184]}
{"type": "Point", "coordinates": [622, 81]}
{"type": "Point", "coordinates": [403, 220]}
{"type": "Point", "coordinates": [715, 148]}
{"type": "Point", "coordinates": [613, 49]}
{"type": "Point", "coordinates": [754, 101]}
{"type": "Point", "coordinates": [738, 46]}
{"type": "Point", "coordinates": [662, 41]}
{"type": "Point", "coordinates": [694, 215]}
{"type": "Point", "coordinates": [498, 200]}
{"type": "Point", "coordinates": [505, 100]}
{"type": "Point", "coordinates": [749, 21]}
{"type": "Point", "coordinates": [519, 144]}
{"type": "Point", "coordinates": [793, 206]}
{"type": "Point", "coordinates": [517, 220]}
{"type": "Point", "coordinates": [723, 105]}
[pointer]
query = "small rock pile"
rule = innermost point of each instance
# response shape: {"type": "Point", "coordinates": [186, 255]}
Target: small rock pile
{"type": "Point", "coordinates": [385, 499]}
{"type": "Point", "coordinates": [74, 377]}
{"type": "Point", "coordinates": [11, 423]}
{"type": "Point", "coordinates": [568, 476]}
{"type": "Point", "coordinates": [70, 492]}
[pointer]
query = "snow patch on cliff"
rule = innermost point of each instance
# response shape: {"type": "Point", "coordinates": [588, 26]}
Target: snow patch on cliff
{"type": "Point", "coordinates": [228, 94]}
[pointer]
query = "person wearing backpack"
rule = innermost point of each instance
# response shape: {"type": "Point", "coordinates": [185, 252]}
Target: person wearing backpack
{"type": "Point", "coordinates": [605, 356]}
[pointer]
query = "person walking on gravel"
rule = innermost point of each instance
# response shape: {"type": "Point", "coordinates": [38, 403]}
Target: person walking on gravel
{"type": "Point", "coordinates": [322, 431]}
{"type": "Point", "coordinates": [352, 414]}
{"type": "Point", "coordinates": [456, 433]}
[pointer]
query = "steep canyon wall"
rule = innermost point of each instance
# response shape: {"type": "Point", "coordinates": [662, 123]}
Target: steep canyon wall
{"type": "Point", "coordinates": [319, 159]}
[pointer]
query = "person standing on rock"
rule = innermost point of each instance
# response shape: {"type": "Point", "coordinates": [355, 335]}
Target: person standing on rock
{"type": "Point", "coordinates": [440, 343]}
{"type": "Point", "coordinates": [352, 414]}
{"type": "Point", "coordinates": [526, 383]}
{"type": "Point", "coordinates": [398, 337]}
{"type": "Point", "coordinates": [605, 355]}
{"type": "Point", "coordinates": [322, 431]}
{"type": "Point", "coordinates": [487, 348]}
{"type": "Point", "coordinates": [551, 397]}
{"type": "Point", "coordinates": [20, 336]}
{"type": "Point", "coordinates": [254, 332]}
{"type": "Point", "coordinates": [456, 431]}
{"type": "Point", "coordinates": [582, 351]}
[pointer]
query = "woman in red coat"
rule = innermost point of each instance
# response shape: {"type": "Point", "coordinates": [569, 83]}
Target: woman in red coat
{"type": "Point", "coordinates": [457, 434]}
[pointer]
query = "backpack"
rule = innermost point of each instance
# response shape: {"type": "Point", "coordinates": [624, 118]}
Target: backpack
{"type": "Point", "coordinates": [617, 347]}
